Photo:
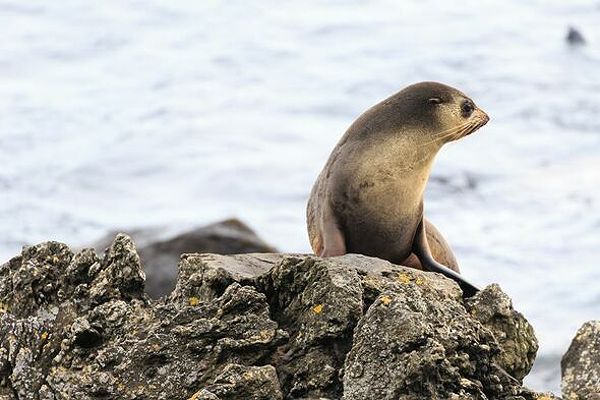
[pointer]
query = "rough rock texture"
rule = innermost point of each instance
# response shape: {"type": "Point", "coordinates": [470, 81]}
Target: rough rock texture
{"type": "Point", "coordinates": [256, 326]}
{"type": "Point", "coordinates": [581, 364]}
{"type": "Point", "coordinates": [518, 344]}
{"type": "Point", "coordinates": [160, 251]}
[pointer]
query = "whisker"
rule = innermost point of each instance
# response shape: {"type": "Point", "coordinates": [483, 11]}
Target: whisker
{"type": "Point", "coordinates": [442, 137]}
{"type": "Point", "coordinates": [458, 131]}
{"type": "Point", "coordinates": [450, 129]}
{"type": "Point", "coordinates": [446, 133]}
{"type": "Point", "coordinates": [469, 127]}
{"type": "Point", "coordinates": [463, 131]}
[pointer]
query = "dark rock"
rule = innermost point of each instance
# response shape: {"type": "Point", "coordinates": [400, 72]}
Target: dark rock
{"type": "Point", "coordinates": [581, 364]}
{"type": "Point", "coordinates": [493, 308]}
{"type": "Point", "coordinates": [574, 37]}
{"type": "Point", "coordinates": [255, 326]}
{"type": "Point", "coordinates": [417, 340]}
{"type": "Point", "coordinates": [159, 253]}
{"type": "Point", "coordinates": [319, 304]}
{"type": "Point", "coordinates": [242, 382]}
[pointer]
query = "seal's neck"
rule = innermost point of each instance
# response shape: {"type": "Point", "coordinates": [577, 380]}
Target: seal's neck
{"type": "Point", "coordinates": [408, 157]}
{"type": "Point", "coordinates": [401, 166]}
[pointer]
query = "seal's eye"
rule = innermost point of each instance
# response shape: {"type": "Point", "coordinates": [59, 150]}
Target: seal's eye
{"type": "Point", "coordinates": [467, 108]}
{"type": "Point", "coordinates": [435, 100]}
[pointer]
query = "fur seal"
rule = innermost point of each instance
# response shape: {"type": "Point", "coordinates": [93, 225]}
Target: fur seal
{"type": "Point", "coordinates": [369, 197]}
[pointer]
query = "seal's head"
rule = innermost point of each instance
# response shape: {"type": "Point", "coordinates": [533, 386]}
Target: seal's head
{"type": "Point", "coordinates": [437, 113]}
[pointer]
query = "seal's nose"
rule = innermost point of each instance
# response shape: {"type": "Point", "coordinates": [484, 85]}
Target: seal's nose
{"type": "Point", "coordinates": [480, 115]}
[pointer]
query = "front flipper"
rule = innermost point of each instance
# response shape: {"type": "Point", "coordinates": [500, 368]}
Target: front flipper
{"type": "Point", "coordinates": [333, 240]}
{"type": "Point", "coordinates": [422, 251]}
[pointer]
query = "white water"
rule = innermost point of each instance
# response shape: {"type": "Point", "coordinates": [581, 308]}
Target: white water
{"type": "Point", "coordinates": [138, 113]}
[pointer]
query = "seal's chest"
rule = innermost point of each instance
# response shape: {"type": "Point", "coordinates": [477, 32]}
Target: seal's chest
{"type": "Point", "coordinates": [388, 198]}
{"type": "Point", "coordinates": [388, 238]}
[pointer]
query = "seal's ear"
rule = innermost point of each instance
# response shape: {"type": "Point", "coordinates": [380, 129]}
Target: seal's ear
{"type": "Point", "coordinates": [435, 100]}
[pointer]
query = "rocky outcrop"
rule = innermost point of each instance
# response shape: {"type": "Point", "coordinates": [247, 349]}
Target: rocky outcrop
{"type": "Point", "coordinates": [160, 251]}
{"type": "Point", "coordinates": [581, 364]}
{"type": "Point", "coordinates": [518, 344]}
{"type": "Point", "coordinates": [255, 326]}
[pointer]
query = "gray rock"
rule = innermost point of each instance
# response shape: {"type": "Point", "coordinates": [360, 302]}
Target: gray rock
{"type": "Point", "coordinates": [518, 344]}
{"type": "Point", "coordinates": [319, 303]}
{"type": "Point", "coordinates": [417, 340]}
{"type": "Point", "coordinates": [581, 364]}
{"type": "Point", "coordinates": [254, 326]}
{"type": "Point", "coordinates": [243, 382]}
{"type": "Point", "coordinates": [160, 250]}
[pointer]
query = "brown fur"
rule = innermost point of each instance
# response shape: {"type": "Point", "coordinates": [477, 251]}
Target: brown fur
{"type": "Point", "coordinates": [369, 197]}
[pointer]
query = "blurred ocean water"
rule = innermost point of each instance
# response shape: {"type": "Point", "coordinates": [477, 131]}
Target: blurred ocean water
{"type": "Point", "coordinates": [178, 113]}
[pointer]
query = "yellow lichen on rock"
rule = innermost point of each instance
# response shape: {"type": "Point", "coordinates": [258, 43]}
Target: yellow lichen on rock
{"type": "Point", "coordinates": [266, 335]}
{"type": "Point", "coordinates": [263, 336]}
{"type": "Point", "coordinates": [193, 301]}
{"type": "Point", "coordinates": [385, 299]}
{"type": "Point", "coordinates": [318, 308]}
{"type": "Point", "coordinates": [407, 278]}
{"type": "Point", "coordinates": [196, 395]}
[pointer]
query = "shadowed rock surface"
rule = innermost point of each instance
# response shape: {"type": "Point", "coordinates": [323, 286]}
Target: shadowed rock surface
{"type": "Point", "coordinates": [581, 364]}
{"type": "Point", "coordinates": [255, 326]}
{"type": "Point", "coordinates": [518, 344]}
{"type": "Point", "coordinates": [160, 252]}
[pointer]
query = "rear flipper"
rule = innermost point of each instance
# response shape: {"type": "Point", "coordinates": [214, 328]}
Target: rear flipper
{"type": "Point", "coordinates": [422, 251]}
{"type": "Point", "coordinates": [438, 247]}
